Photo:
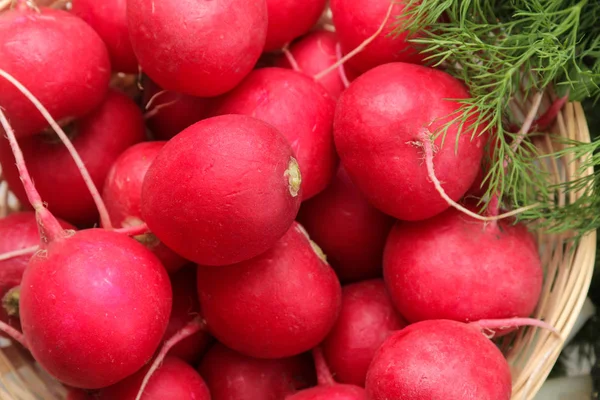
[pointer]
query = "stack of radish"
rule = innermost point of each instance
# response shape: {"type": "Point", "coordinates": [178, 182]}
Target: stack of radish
{"type": "Point", "coordinates": [283, 211]}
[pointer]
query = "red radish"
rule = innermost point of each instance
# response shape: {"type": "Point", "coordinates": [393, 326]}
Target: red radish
{"type": "Point", "coordinates": [455, 267]}
{"type": "Point", "coordinates": [229, 199]}
{"type": "Point", "coordinates": [122, 195]}
{"type": "Point", "coordinates": [349, 230]}
{"type": "Point", "coordinates": [315, 53]}
{"type": "Point", "coordinates": [300, 109]}
{"type": "Point", "coordinates": [328, 389]}
{"type": "Point", "coordinates": [71, 88]}
{"type": "Point", "coordinates": [109, 20]}
{"type": "Point", "coordinates": [439, 360]}
{"type": "Point", "coordinates": [234, 376]}
{"type": "Point", "coordinates": [174, 380]}
{"type": "Point", "coordinates": [367, 318]}
{"type": "Point", "coordinates": [289, 19]}
{"type": "Point", "coordinates": [279, 304]}
{"type": "Point", "coordinates": [197, 48]}
{"type": "Point", "coordinates": [357, 20]}
{"type": "Point", "coordinates": [185, 308]}
{"type": "Point", "coordinates": [76, 394]}
{"type": "Point", "coordinates": [379, 126]}
{"type": "Point", "coordinates": [99, 139]}
{"type": "Point", "coordinates": [170, 112]}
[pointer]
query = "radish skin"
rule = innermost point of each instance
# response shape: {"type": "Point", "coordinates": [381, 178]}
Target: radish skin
{"type": "Point", "coordinates": [289, 19]}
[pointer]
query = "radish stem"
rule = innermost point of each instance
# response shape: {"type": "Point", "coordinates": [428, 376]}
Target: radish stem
{"type": "Point", "coordinates": [324, 376]}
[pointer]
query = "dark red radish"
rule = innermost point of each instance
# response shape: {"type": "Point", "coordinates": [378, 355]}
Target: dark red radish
{"type": "Point", "coordinates": [76, 394]}
{"type": "Point", "coordinates": [380, 124]}
{"type": "Point", "coordinates": [30, 43]}
{"type": "Point", "coordinates": [109, 20]}
{"type": "Point", "coordinates": [356, 20]}
{"type": "Point", "coordinates": [298, 107]}
{"type": "Point", "coordinates": [234, 376]}
{"type": "Point", "coordinates": [228, 200]}
{"type": "Point", "coordinates": [168, 113]}
{"type": "Point", "coordinates": [367, 318]}
{"type": "Point", "coordinates": [99, 138]}
{"type": "Point", "coordinates": [327, 388]}
{"type": "Point", "coordinates": [439, 360]}
{"type": "Point", "coordinates": [185, 309]}
{"type": "Point", "coordinates": [455, 267]}
{"type": "Point", "coordinates": [289, 19]}
{"type": "Point", "coordinates": [349, 230]}
{"type": "Point", "coordinates": [197, 48]}
{"type": "Point", "coordinates": [315, 53]}
{"type": "Point", "coordinates": [174, 380]}
{"type": "Point", "coordinates": [279, 304]}
{"type": "Point", "coordinates": [122, 195]}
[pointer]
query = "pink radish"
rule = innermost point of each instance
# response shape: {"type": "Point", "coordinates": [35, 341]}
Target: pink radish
{"type": "Point", "coordinates": [168, 113]}
{"type": "Point", "coordinates": [231, 198]}
{"type": "Point", "coordinates": [289, 19]}
{"type": "Point", "coordinates": [122, 195]}
{"type": "Point", "coordinates": [439, 360]}
{"type": "Point", "coordinates": [367, 318]}
{"type": "Point", "coordinates": [233, 376]}
{"type": "Point", "coordinates": [380, 124]}
{"type": "Point", "coordinates": [356, 20]}
{"type": "Point", "coordinates": [279, 304]}
{"type": "Point", "coordinates": [99, 138]}
{"type": "Point", "coordinates": [349, 230]}
{"type": "Point", "coordinates": [197, 48]}
{"type": "Point", "coordinates": [109, 20]}
{"type": "Point", "coordinates": [30, 43]}
{"type": "Point", "coordinates": [300, 109]}
{"type": "Point", "coordinates": [314, 53]}
{"type": "Point", "coordinates": [174, 380]}
{"type": "Point", "coordinates": [455, 267]}
{"type": "Point", "coordinates": [328, 389]}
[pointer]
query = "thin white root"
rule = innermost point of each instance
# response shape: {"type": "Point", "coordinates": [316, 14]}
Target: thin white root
{"type": "Point", "coordinates": [341, 70]}
{"type": "Point", "coordinates": [153, 98]}
{"type": "Point", "coordinates": [290, 57]}
{"type": "Point", "coordinates": [18, 253]}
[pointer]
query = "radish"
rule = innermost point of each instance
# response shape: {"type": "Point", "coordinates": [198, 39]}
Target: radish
{"type": "Point", "coordinates": [99, 138]}
{"type": "Point", "coordinates": [109, 20]}
{"type": "Point", "coordinates": [228, 200]}
{"type": "Point", "coordinates": [234, 376]}
{"type": "Point", "coordinates": [439, 360]}
{"type": "Point", "coordinates": [279, 304]}
{"type": "Point", "coordinates": [170, 112]}
{"type": "Point", "coordinates": [122, 195]}
{"type": "Point", "coordinates": [300, 109]}
{"type": "Point", "coordinates": [349, 230]}
{"type": "Point", "coordinates": [367, 318]}
{"type": "Point", "coordinates": [289, 19]}
{"type": "Point", "coordinates": [356, 20]}
{"type": "Point", "coordinates": [314, 53]}
{"type": "Point", "coordinates": [185, 308]}
{"type": "Point", "coordinates": [381, 123]}
{"type": "Point", "coordinates": [94, 304]}
{"type": "Point", "coordinates": [76, 394]}
{"type": "Point", "coordinates": [197, 48]}
{"type": "Point", "coordinates": [327, 388]}
{"type": "Point", "coordinates": [174, 380]}
{"type": "Point", "coordinates": [70, 88]}
{"type": "Point", "coordinates": [455, 267]}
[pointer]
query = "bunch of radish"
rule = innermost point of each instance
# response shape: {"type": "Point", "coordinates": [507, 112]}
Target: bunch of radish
{"type": "Point", "coordinates": [240, 215]}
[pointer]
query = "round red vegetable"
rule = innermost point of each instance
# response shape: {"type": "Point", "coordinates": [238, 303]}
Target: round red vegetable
{"type": "Point", "coordinates": [351, 232]}
{"type": "Point", "coordinates": [279, 304]}
{"type": "Point", "coordinates": [99, 138]}
{"type": "Point", "coordinates": [367, 318]}
{"type": "Point", "coordinates": [229, 199]}
{"type": "Point", "coordinates": [455, 267]}
{"type": "Point", "coordinates": [234, 376]}
{"type": "Point", "coordinates": [59, 58]}
{"type": "Point", "coordinates": [303, 112]}
{"type": "Point", "coordinates": [109, 20]}
{"type": "Point", "coordinates": [379, 123]}
{"type": "Point", "coordinates": [289, 19]}
{"type": "Point", "coordinates": [439, 360]}
{"type": "Point", "coordinates": [200, 48]}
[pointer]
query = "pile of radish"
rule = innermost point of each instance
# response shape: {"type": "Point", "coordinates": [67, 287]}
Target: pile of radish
{"type": "Point", "coordinates": [270, 215]}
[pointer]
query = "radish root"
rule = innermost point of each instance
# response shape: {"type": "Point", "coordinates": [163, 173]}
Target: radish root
{"type": "Point", "coordinates": [13, 333]}
{"type": "Point", "coordinates": [134, 230]}
{"type": "Point", "coordinates": [324, 377]}
{"type": "Point", "coordinates": [18, 253]}
{"type": "Point", "coordinates": [290, 57]}
{"type": "Point", "coordinates": [491, 324]}
{"type": "Point", "coordinates": [341, 70]}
